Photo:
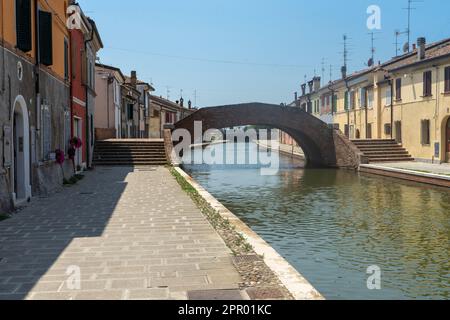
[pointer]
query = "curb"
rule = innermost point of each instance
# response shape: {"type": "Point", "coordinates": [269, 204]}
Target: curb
{"type": "Point", "coordinates": [294, 282]}
{"type": "Point", "coordinates": [410, 175]}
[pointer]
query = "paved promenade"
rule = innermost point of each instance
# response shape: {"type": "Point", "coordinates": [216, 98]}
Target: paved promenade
{"type": "Point", "coordinates": [127, 234]}
{"type": "Point", "coordinates": [441, 169]}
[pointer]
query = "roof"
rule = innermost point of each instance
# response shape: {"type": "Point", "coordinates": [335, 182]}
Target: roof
{"type": "Point", "coordinates": [104, 66]}
{"type": "Point", "coordinates": [169, 104]}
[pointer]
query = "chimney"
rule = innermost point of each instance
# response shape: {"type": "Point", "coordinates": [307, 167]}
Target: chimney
{"type": "Point", "coordinates": [421, 43]}
{"type": "Point", "coordinates": [310, 85]}
{"type": "Point", "coordinates": [344, 72]}
{"type": "Point", "coordinates": [316, 85]}
{"type": "Point", "coordinates": [190, 104]}
{"type": "Point", "coordinates": [303, 89]}
{"type": "Point", "coordinates": [133, 79]}
{"type": "Point", "coordinates": [414, 47]}
{"type": "Point", "coordinates": [182, 102]}
{"type": "Point", "coordinates": [295, 96]}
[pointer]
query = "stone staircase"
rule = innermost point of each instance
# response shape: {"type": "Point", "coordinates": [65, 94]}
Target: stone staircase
{"type": "Point", "coordinates": [382, 150]}
{"type": "Point", "coordinates": [130, 153]}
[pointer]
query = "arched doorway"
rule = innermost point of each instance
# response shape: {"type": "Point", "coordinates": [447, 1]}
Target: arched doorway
{"type": "Point", "coordinates": [20, 173]}
{"type": "Point", "coordinates": [447, 141]}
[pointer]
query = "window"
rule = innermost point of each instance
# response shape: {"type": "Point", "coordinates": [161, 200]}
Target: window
{"type": "Point", "coordinates": [130, 111]}
{"type": "Point", "coordinates": [309, 106]}
{"type": "Point", "coordinates": [425, 132]}
{"type": "Point", "coordinates": [66, 59]}
{"type": "Point", "coordinates": [447, 80]}
{"type": "Point", "coordinates": [387, 129]}
{"type": "Point", "coordinates": [67, 130]}
{"type": "Point", "coordinates": [352, 100]}
{"type": "Point", "coordinates": [398, 89]}
{"type": "Point", "coordinates": [388, 96]}
{"type": "Point", "coordinates": [346, 100]}
{"type": "Point", "coordinates": [23, 25]}
{"type": "Point", "coordinates": [45, 38]}
{"type": "Point", "coordinates": [370, 98]}
{"type": "Point", "coordinates": [335, 100]}
{"type": "Point", "coordinates": [46, 131]}
{"type": "Point", "coordinates": [427, 83]}
{"type": "Point", "coordinates": [362, 98]}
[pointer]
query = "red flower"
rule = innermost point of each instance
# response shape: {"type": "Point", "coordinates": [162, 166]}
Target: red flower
{"type": "Point", "coordinates": [60, 157]}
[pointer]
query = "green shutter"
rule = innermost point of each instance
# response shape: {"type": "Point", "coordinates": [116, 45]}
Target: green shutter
{"type": "Point", "coordinates": [23, 25]}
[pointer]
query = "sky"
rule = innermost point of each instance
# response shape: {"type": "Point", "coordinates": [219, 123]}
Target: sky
{"type": "Point", "coordinates": [217, 52]}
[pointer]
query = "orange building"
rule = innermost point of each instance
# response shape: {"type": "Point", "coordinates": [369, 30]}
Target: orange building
{"type": "Point", "coordinates": [35, 124]}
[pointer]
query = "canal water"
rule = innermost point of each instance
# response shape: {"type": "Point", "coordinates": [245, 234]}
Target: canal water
{"type": "Point", "coordinates": [331, 225]}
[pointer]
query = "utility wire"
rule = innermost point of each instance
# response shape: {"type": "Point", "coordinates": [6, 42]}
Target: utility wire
{"type": "Point", "coordinates": [274, 65]}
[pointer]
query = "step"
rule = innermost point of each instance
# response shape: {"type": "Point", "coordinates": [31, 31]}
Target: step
{"type": "Point", "coordinates": [148, 163]}
{"type": "Point", "coordinates": [392, 160]}
{"type": "Point", "coordinates": [393, 156]}
{"type": "Point", "coordinates": [381, 152]}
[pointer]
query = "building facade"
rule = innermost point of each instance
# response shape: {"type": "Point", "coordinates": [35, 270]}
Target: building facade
{"type": "Point", "coordinates": [85, 42]}
{"type": "Point", "coordinates": [34, 98]}
{"type": "Point", "coordinates": [108, 102]}
{"type": "Point", "coordinates": [406, 98]}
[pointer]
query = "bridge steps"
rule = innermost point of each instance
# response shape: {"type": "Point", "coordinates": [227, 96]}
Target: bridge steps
{"type": "Point", "coordinates": [130, 153]}
{"type": "Point", "coordinates": [379, 150]}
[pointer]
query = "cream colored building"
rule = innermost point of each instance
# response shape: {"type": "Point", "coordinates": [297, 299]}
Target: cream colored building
{"type": "Point", "coordinates": [406, 98]}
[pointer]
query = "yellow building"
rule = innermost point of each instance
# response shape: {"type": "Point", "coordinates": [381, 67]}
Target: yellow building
{"type": "Point", "coordinates": [406, 98]}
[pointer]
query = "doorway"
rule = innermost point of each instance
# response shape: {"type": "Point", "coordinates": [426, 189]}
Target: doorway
{"type": "Point", "coordinates": [20, 172]}
{"type": "Point", "coordinates": [448, 141]}
{"type": "Point", "coordinates": [78, 133]}
{"type": "Point", "coordinates": [398, 132]}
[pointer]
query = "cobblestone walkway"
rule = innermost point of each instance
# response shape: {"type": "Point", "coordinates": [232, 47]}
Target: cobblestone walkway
{"type": "Point", "coordinates": [130, 234]}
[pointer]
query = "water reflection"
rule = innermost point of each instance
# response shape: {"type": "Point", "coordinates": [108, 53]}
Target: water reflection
{"type": "Point", "coordinates": [332, 224]}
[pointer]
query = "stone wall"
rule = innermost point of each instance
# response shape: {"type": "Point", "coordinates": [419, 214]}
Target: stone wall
{"type": "Point", "coordinates": [19, 82]}
{"type": "Point", "coordinates": [322, 146]}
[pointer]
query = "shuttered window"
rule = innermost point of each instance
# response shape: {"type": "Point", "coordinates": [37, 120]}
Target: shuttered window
{"type": "Point", "coordinates": [45, 38]}
{"type": "Point", "coordinates": [447, 80]}
{"type": "Point", "coordinates": [23, 25]}
{"type": "Point", "coordinates": [427, 83]}
{"type": "Point", "coordinates": [425, 132]}
{"type": "Point", "coordinates": [398, 89]}
{"type": "Point", "coordinates": [66, 59]}
{"type": "Point", "coordinates": [130, 111]}
{"type": "Point", "coordinates": [388, 96]}
{"type": "Point", "coordinates": [67, 130]}
{"type": "Point", "coordinates": [46, 131]}
{"type": "Point", "coordinates": [346, 102]}
{"type": "Point", "coordinates": [335, 101]}
{"type": "Point", "coordinates": [362, 98]}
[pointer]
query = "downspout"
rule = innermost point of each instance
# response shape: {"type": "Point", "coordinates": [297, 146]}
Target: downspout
{"type": "Point", "coordinates": [37, 82]}
{"type": "Point", "coordinates": [3, 88]}
{"type": "Point", "coordinates": [87, 129]}
{"type": "Point", "coordinates": [348, 107]}
{"type": "Point", "coordinates": [436, 113]}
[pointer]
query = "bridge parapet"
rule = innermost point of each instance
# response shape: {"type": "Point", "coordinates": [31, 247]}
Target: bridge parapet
{"type": "Point", "coordinates": [323, 146]}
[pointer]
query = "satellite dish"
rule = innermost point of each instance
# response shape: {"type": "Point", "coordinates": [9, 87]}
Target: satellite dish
{"type": "Point", "coordinates": [406, 47]}
{"type": "Point", "coordinates": [370, 62]}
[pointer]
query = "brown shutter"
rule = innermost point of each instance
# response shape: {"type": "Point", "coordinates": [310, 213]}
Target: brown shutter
{"type": "Point", "coordinates": [45, 38]}
{"type": "Point", "coordinates": [23, 25]}
{"type": "Point", "coordinates": [447, 79]}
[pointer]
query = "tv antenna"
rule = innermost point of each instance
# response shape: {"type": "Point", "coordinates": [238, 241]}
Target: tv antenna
{"type": "Point", "coordinates": [410, 8]}
{"type": "Point", "coordinates": [323, 68]}
{"type": "Point", "coordinates": [168, 92]}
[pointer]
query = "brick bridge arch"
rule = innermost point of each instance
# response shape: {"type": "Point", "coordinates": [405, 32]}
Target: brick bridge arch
{"type": "Point", "coordinates": [323, 147]}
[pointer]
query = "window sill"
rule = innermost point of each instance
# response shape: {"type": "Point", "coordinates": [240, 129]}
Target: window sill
{"type": "Point", "coordinates": [446, 93]}
{"type": "Point", "coordinates": [427, 96]}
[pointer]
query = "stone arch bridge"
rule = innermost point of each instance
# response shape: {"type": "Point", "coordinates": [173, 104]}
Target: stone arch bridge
{"type": "Point", "coordinates": [323, 146]}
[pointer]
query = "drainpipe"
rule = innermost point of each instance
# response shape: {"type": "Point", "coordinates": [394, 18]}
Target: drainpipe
{"type": "Point", "coordinates": [37, 75]}
{"type": "Point", "coordinates": [87, 124]}
{"type": "Point", "coordinates": [3, 88]}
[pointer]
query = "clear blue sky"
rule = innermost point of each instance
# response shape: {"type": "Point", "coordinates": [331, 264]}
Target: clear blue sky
{"type": "Point", "coordinates": [234, 51]}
